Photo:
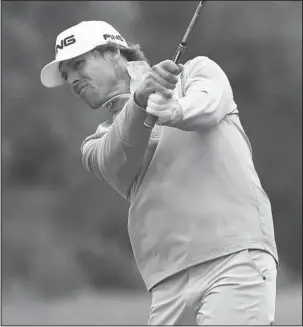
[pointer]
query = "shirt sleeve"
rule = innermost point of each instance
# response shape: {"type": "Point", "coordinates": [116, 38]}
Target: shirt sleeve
{"type": "Point", "coordinates": [116, 151]}
{"type": "Point", "coordinates": [207, 95]}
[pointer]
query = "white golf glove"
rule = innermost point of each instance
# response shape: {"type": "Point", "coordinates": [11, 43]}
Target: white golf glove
{"type": "Point", "coordinates": [166, 109]}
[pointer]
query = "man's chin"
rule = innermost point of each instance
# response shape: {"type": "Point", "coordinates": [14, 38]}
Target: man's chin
{"type": "Point", "coordinates": [93, 105]}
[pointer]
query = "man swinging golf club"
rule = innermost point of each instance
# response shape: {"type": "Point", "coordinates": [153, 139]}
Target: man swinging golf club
{"type": "Point", "coordinates": [200, 223]}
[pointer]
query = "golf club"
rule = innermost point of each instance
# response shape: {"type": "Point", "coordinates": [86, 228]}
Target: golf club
{"type": "Point", "coordinates": [151, 119]}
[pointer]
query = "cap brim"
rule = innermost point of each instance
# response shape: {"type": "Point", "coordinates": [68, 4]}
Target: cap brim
{"type": "Point", "coordinates": [50, 74]}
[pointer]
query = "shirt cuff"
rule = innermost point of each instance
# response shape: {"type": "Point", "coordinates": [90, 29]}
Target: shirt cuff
{"type": "Point", "coordinates": [135, 105]}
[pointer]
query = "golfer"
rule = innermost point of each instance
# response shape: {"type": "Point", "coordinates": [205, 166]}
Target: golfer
{"type": "Point", "coordinates": [200, 223]}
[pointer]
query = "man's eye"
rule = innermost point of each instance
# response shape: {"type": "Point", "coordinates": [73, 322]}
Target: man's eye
{"type": "Point", "coordinates": [77, 64]}
{"type": "Point", "coordinates": [64, 76]}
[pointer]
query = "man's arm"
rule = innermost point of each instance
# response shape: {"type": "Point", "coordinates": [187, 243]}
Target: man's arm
{"type": "Point", "coordinates": [207, 97]}
{"type": "Point", "coordinates": [116, 152]}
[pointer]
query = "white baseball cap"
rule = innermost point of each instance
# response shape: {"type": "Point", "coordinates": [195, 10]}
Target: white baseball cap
{"type": "Point", "coordinates": [75, 41]}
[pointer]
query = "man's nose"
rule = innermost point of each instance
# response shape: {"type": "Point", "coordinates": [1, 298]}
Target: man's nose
{"type": "Point", "coordinates": [73, 79]}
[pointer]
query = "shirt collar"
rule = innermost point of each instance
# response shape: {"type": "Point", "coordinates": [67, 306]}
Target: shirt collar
{"type": "Point", "coordinates": [137, 71]}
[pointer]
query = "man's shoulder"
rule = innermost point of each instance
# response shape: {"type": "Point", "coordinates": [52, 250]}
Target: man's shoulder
{"type": "Point", "coordinates": [199, 61]}
{"type": "Point", "coordinates": [102, 129]}
{"type": "Point", "coordinates": [202, 65]}
{"type": "Point", "coordinates": [105, 126]}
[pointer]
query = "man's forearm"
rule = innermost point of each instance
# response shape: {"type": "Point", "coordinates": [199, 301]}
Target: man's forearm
{"type": "Point", "coordinates": [129, 123]}
{"type": "Point", "coordinates": [118, 152]}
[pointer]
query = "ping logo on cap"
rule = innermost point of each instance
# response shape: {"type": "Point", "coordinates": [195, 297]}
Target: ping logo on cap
{"type": "Point", "coordinates": [65, 42]}
{"type": "Point", "coordinates": [113, 37]}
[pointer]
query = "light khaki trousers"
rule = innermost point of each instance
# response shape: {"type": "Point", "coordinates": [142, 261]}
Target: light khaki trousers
{"type": "Point", "coordinates": [238, 289]}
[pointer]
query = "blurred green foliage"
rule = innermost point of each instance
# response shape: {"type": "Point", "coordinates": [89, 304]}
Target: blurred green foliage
{"type": "Point", "coordinates": [62, 229]}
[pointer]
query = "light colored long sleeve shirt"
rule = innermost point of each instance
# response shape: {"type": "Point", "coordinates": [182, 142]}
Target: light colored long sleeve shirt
{"type": "Point", "coordinates": [192, 187]}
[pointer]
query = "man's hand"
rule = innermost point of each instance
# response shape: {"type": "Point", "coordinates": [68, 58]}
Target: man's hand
{"type": "Point", "coordinates": [162, 79]}
{"type": "Point", "coordinates": [166, 109]}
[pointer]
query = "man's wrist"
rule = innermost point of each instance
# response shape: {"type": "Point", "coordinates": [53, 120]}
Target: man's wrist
{"type": "Point", "coordinates": [140, 100]}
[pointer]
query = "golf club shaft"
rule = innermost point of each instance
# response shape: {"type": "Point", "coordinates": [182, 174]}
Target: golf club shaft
{"type": "Point", "coordinates": [151, 119]}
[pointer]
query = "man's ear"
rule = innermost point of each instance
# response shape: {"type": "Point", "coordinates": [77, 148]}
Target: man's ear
{"type": "Point", "coordinates": [112, 54]}
{"type": "Point", "coordinates": [115, 52]}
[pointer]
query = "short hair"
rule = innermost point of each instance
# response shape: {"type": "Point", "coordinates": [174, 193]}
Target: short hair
{"type": "Point", "coordinates": [132, 53]}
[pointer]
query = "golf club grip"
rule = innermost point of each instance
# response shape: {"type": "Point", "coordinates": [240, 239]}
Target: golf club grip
{"type": "Point", "coordinates": [150, 120]}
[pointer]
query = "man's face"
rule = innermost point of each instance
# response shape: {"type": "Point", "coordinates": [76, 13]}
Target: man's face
{"type": "Point", "coordinates": [95, 78]}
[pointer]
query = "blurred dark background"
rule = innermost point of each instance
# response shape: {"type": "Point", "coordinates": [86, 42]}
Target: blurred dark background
{"type": "Point", "coordinates": [65, 232]}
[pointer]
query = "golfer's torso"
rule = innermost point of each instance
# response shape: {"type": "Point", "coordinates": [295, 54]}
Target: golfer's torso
{"type": "Point", "coordinates": [196, 198]}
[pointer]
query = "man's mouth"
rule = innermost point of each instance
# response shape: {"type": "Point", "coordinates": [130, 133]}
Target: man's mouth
{"type": "Point", "coordinates": [81, 89]}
